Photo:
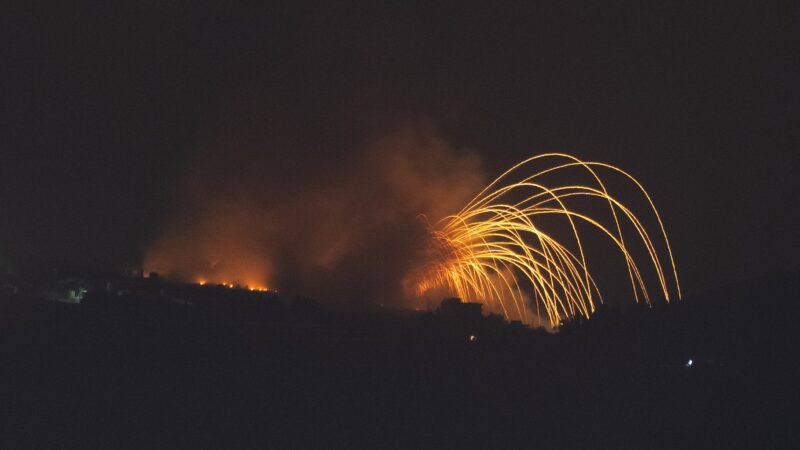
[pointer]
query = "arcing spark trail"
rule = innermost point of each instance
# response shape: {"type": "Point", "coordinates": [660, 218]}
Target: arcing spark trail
{"type": "Point", "coordinates": [495, 250]}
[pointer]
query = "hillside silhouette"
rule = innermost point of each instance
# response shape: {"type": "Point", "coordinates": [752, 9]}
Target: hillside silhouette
{"type": "Point", "coordinates": [254, 370]}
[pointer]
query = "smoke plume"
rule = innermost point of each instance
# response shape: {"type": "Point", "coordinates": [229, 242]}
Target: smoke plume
{"type": "Point", "coordinates": [341, 223]}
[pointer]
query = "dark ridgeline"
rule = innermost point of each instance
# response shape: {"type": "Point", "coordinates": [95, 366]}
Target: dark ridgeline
{"type": "Point", "coordinates": [290, 129]}
{"type": "Point", "coordinates": [143, 362]}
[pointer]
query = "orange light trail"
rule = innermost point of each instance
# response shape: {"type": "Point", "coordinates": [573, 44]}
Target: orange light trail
{"type": "Point", "coordinates": [494, 250]}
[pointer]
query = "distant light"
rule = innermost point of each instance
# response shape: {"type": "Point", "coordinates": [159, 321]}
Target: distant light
{"type": "Point", "coordinates": [473, 338]}
{"type": "Point", "coordinates": [690, 363]}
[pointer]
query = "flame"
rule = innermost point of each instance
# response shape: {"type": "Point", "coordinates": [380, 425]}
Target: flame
{"type": "Point", "coordinates": [253, 287]}
{"type": "Point", "coordinates": [342, 230]}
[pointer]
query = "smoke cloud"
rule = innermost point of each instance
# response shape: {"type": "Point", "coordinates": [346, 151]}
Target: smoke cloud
{"type": "Point", "coordinates": [339, 222]}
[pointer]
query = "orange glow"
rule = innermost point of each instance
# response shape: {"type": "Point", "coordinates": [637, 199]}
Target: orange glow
{"type": "Point", "coordinates": [250, 287]}
{"type": "Point", "coordinates": [345, 234]}
{"type": "Point", "coordinates": [258, 288]}
{"type": "Point", "coordinates": [496, 251]}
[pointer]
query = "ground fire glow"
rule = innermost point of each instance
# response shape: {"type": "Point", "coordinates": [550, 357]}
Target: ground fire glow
{"type": "Point", "coordinates": [495, 251]}
{"type": "Point", "coordinates": [521, 246]}
{"type": "Point", "coordinates": [204, 282]}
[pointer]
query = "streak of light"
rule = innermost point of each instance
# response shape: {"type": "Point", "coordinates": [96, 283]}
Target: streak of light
{"type": "Point", "coordinates": [496, 250]}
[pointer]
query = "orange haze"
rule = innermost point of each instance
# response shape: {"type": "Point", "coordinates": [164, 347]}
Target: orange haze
{"type": "Point", "coordinates": [339, 228]}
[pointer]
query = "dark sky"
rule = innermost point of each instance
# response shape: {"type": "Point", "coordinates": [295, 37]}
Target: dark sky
{"type": "Point", "coordinates": [104, 106]}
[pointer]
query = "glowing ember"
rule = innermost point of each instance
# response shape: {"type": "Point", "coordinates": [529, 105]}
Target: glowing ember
{"type": "Point", "coordinates": [252, 288]}
{"type": "Point", "coordinates": [494, 250]}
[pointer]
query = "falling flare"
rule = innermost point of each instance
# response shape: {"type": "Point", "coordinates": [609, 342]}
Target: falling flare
{"type": "Point", "coordinates": [494, 250]}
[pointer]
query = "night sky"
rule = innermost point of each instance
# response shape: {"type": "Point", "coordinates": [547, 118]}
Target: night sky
{"type": "Point", "coordinates": [105, 108]}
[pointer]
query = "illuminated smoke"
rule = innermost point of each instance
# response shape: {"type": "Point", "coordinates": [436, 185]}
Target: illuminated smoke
{"type": "Point", "coordinates": [344, 228]}
{"type": "Point", "coordinates": [385, 222]}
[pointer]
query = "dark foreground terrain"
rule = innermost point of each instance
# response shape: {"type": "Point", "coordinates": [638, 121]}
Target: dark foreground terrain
{"type": "Point", "coordinates": [124, 376]}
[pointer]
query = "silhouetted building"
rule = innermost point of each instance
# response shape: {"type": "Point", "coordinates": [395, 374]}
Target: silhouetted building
{"type": "Point", "coordinates": [454, 308]}
{"type": "Point", "coordinates": [68, 290]}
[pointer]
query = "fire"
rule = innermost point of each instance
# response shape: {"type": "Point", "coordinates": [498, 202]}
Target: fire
{"type": "Point", "coordinates": [253, 287]}
{"type": "Point", "coordinates": [342, 229]}
{"type": "Point", "coordinates": [496, 250]}
{"type": "Point", "coordinates": [351, 236]}
{"type": "Point", "coordinates": [258, 288]}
